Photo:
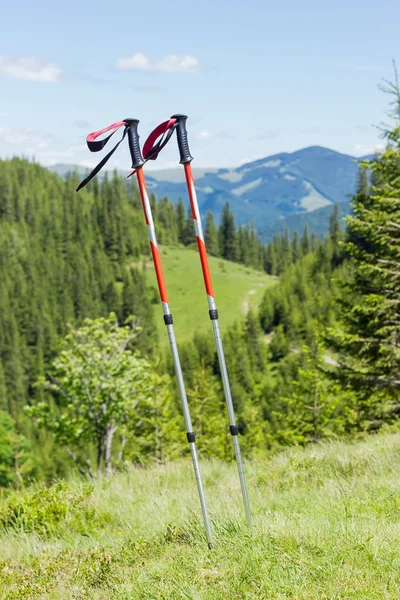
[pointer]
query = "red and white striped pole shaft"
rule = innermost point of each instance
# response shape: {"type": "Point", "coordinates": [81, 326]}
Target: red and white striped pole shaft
{"type": "Point", "coordinates": [137, 164]}
{"type": "Point", "coordinates": [185, 159]}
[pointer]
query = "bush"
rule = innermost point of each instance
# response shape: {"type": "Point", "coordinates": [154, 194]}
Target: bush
{"type": "Point", "coordinates": [43, 509]}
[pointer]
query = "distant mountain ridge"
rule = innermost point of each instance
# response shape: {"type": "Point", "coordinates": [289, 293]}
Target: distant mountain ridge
{"type": "Point", "coordinates": [270, 191]}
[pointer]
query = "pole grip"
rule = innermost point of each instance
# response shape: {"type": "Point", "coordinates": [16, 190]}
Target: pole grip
{"type": "Point", "coordinates": [134, 144]}
{"type": "Point", "coordinates": [182, 137]}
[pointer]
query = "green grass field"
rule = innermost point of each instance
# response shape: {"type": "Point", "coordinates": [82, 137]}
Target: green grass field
{"type": "Point", "coordinates": [236, 288]}
{"type": "Point", "coordinates": [327, 526]}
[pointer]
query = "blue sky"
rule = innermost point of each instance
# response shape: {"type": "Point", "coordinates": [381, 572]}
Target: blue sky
{"type": "Point", "coordinates": [255, 78]}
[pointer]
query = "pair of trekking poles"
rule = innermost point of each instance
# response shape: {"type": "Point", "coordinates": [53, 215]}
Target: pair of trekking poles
{"type": "Point", "coordinates": [151, 150]}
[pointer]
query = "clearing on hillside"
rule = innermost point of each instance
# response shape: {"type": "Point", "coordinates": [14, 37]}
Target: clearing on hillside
{"type": "Point", "coordinates": [236, 289]}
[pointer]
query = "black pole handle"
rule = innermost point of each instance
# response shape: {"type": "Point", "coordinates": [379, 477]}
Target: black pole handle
{"type": "Point", "coordinates": [134, 145]}
{"type": "Point", "coordinates": [182, 137]}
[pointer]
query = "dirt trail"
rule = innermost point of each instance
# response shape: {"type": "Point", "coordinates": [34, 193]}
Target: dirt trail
{"type": "Point", "coordinates": [246, 304]}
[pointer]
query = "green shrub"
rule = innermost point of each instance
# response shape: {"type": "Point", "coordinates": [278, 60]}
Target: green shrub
{"type": "Point", "coordinates": [44, 508]}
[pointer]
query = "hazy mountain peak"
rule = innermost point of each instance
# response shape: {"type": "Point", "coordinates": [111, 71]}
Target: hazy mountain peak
{"type": "Point", "coordinates": [266, 190]}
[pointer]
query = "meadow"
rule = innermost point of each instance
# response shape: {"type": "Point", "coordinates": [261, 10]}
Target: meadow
{"type": "Point", "coordinates": [236, 287]}
{"type": "Point", "coordinates": [326, 526]}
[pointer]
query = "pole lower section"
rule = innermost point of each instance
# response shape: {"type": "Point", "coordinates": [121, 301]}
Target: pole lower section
{"type": "Point", "coordinates": [189, 431]}
{"type": "Point", "coordinates": [213, 312]}
{"type": "Point", "coordinates": [233, 427]}
{"type": "Point", "coordinates": [174, 350]}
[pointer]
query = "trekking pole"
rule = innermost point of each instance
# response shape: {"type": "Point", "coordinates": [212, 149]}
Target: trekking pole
{"type": "Point", "coordinates": [131, 127]}
{"type": "Point", "coordinates": [185, 160]}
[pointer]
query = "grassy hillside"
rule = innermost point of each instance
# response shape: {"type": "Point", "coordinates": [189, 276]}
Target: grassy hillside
{"type": "Point", "coordinates": [327, 523]}
{"type": "Point", "coordinates": [236, 287]}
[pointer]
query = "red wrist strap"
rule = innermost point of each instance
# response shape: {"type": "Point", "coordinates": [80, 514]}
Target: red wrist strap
{"type": "Point", "coordinates": [151, 149]}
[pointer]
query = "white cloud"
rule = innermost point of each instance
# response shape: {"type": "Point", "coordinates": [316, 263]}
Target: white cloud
{"type": "Point", "coordinates": [29, 69]}
{"type": "Point", "coordinates": [179, 63]}
{"type": "Point", "coordinates": [140, 61]}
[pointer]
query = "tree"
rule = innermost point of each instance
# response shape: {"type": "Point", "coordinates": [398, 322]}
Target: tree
{"type": "Point", "coordinates": [368, 336]}
{"type": "Point", "coordinates": [266, 312]}
{"type": "Point", "coordinates": [315, 408]}
{"type": "Point", "coordinates": [15, 459]}
{"type": "Point", "coordinates": [227, 235]}
{"type": "Point", "coordinates": [363, 183]}
{"type": "Point", "coordinates": [287, 257]}
{"type": "Point", "coordinates": [256, 348]}
{"type": "Point", "coordinates": [136, 301]}
{"type": "Point", "coordinates": [188, 234]}
{"type": "Point", "coordinates": [158, 435]}
{"type": "Point", "coordinates": [305, 241]}
{"type": "Point", "coordinates": [99, 386]}
{"type": "Point", "coordinates": [335, 234]}
{"type": "Point", "coordinates": [6, 449]}
{"type": "Point", "coordinates": [209, 416]}
{"type": "Point", "coordinates": [279, 345]}
{"type": "Point", "coordinates": [296, 247]}
{"type": "Point", "coordinates": [3, 389]}
{"type": "Point", "coordinates": [271, 259]}
{"type": "Point", "coordinates": [211, 236]}
{"type": "Point", "coordinates": [181, 221]}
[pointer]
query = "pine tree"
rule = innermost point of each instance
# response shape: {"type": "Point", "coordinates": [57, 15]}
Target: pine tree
{"type": "Point", "coordinates": [136, 303]}
{"type": "Point", "coordinates": [287, 257]}
{"type": "Point", "coordinates": [335, 234]}
{"type": "Point", "coordinates": [314, 242]}
{"type": "Point", "coordinates": [271, 259]}
{"type": "Point", "coordinates": [279, 345]}
{"type": "Point", "coordinates": [314, 407]}
{"type": "Point", "coordinates": [368, 337]}
{"type": "Point", "coordinates": [305, 242]}
{"type": "Point", "coordinates": [242, 255]}
{"type": "Point", "coordinates": [166, 222]}
{"type": "Point", "coordinates": [296, 247]}
{"type": "Point", "coordinates": [208, 408]}
{"type": "Point", "coordinates": [3, 389]}
{"type": "Point", "coordinates": [188, 236]}
{"type": "Point", "coordinates": [211, 235]}
{"type": "Point", "coordinates": [254, 342]}
{"type": "Point", "coordinates": [363, 183]}
{"type": "Point", "coordinates": [227, 235]}
{"type": "Point", "coordinates": [181, 220]}
{"type": "Point", "coordinates": [254, 247]}
{"type": "Point", "coordinates": [266, 313]}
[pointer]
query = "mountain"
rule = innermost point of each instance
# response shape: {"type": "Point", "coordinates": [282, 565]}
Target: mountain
{"type": "Point", "coordinates": [271, 191]}
{"type": "Point", "coordinates": [317, 221]}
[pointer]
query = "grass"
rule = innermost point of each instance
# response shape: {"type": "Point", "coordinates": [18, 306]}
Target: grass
{"type": "Point", "coordinates": [236, 288]}
{"type": "Point", "coordinates": [327, 525]}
